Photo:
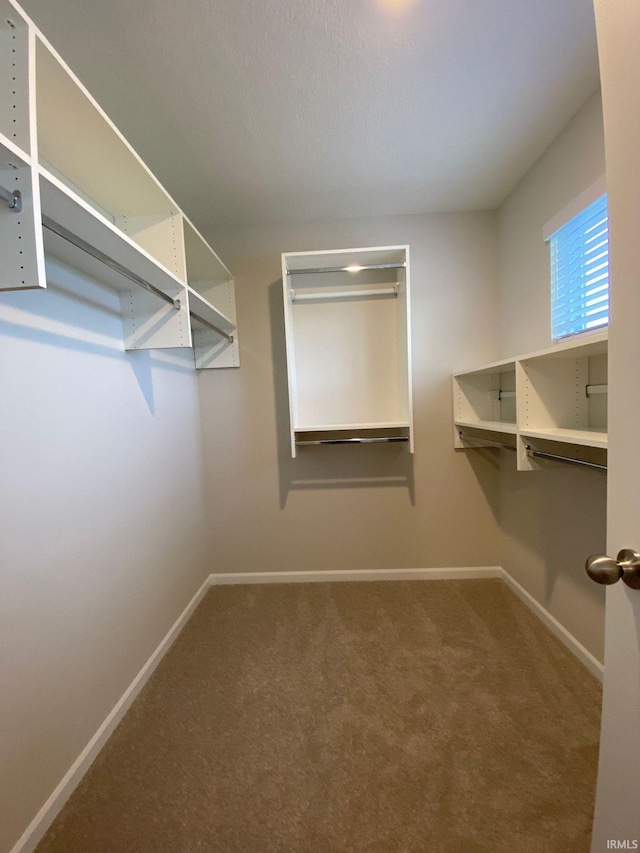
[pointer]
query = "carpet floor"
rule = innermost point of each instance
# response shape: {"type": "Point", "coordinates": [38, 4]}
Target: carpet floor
{"type": "Point", "coordinates": [393, 717]}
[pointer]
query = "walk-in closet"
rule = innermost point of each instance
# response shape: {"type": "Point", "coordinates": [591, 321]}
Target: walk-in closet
{"type": "Point", "coordinates": [318, 443]}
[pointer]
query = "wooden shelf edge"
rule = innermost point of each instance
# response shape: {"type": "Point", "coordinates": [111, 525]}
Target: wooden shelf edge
{"type": "Point", "coordinates": [582, 341]}
{"type": "Point", "coordinates": [354, 426]}
{"type": "Point", "coordinates": [495, 366]}
{"type": "Point", "coordinates": [490, 426]}
{"type": "Point", "coordinates": [580, 438]}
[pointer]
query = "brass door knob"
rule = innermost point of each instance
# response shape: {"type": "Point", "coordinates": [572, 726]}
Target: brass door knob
{"type": "Point", "coordinates": [606, 570]}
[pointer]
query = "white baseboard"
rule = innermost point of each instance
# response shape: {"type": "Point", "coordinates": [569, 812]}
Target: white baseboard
{"type": "Point", "coordinates": [338, 575]}
{"type": "Point", "coordinates": [584, 656]}
{"type": "Point", "coordinates": [45, 817]}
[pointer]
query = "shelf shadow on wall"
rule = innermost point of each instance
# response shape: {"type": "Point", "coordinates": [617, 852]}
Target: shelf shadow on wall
{"type": "Point", "coordinates": [64, 303]}
{"type": "Point", "coordinates": [485, 464]}
{"type": "Point", "coordinates": [327, 467]}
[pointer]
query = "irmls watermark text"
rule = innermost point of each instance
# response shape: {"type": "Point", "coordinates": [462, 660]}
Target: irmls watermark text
{"type": "Point", "coordinates": [622, 844]}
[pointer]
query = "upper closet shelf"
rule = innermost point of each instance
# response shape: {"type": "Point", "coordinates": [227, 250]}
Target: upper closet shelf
{"type": "Point", "coordinates": [352, 426]}
{"type": "Point", "coordinates": [556, 396]}
{"type": "Point", "coordinates": [495, 367]}
{"type": "Point", "coordinates": [491, 426]}
{"type": "Point", "coordinates": [101, 209]}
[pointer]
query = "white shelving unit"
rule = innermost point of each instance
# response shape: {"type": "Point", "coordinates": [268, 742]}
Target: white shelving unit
{"type": "Point", "coordinates": [347, 321]}
{"type": "Point", "coordinates": [88, 199]}
{"type": "Point", "coordinates": [553, 401]}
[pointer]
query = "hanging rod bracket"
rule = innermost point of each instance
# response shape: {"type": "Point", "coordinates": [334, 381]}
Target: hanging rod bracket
{"type": "Point", "coordinates": [592, 390]}
{"type": "Point", "coordinates": [13, 199]}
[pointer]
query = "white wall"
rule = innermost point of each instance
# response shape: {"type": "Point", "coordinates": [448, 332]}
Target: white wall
{"type": "Point", "coordinates": [552, 519]}
{"type": "Point", "coordinates": [101, 524]}
{"type": "Point", "coordinates": [573, 162]}
{"type": "Point", "coordinates": [354, 507]}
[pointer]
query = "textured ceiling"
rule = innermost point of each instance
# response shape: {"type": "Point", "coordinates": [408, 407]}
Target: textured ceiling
{"type": "Point", "coordinates": [279, 110]}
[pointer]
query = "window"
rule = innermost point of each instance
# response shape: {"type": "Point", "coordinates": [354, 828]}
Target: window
{"type": "Point", "coordinates": [580, 272]}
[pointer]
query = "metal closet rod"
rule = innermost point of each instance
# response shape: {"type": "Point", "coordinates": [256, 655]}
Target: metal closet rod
{"type": "Point", "coordinates": [534, 453]}
{"type": "Point", "coordinates": [211, 326]}
{"type": "Point", "coordinates": [342, 294]}
{"type": "Point", "coordinates": [350, 268]}
{"type": "Point", "coordinates": [591, 391]}
{"type": "Point", "coordinates": [81, 244]}
{"type": "Point", "coordinates": [542, 455]}
{"type": "Point", "coordinates": [13, 199]}
{"type": "Point", "coordinates": [352, 440]}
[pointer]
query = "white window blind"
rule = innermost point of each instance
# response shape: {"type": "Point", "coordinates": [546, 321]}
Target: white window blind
{"type": "Point", "coordinates": [580, 272]}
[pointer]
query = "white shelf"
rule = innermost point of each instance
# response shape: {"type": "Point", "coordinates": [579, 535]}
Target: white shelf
{"type": "Point", "coordinates": [348, 360]}
{"type": "Point", "coordinates": [550, 402]}
{"type": "Point", "coordinates": [345, 257]}
{"type": "Point", "coordinates": [582, 437]}
{"type": "Point", "coordinates": [585, 344]}
{"type": "Point", "coordinates": [114, 220]}
{"type": "Point", "coordinates": [353, 426]}
{"type": "Point", "coordinates": [352, 433]}
{"type": "Point", "coordinates": [493, 426]}
{"type": "Point", "coordinates": [503, 366]}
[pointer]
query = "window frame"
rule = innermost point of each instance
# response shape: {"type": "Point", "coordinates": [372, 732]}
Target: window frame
{"type": "Point", "coordinates": [571, 211]}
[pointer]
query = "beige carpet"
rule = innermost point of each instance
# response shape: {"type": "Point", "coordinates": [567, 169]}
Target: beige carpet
{"type": "Point", "coordinates": [434, 716]}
